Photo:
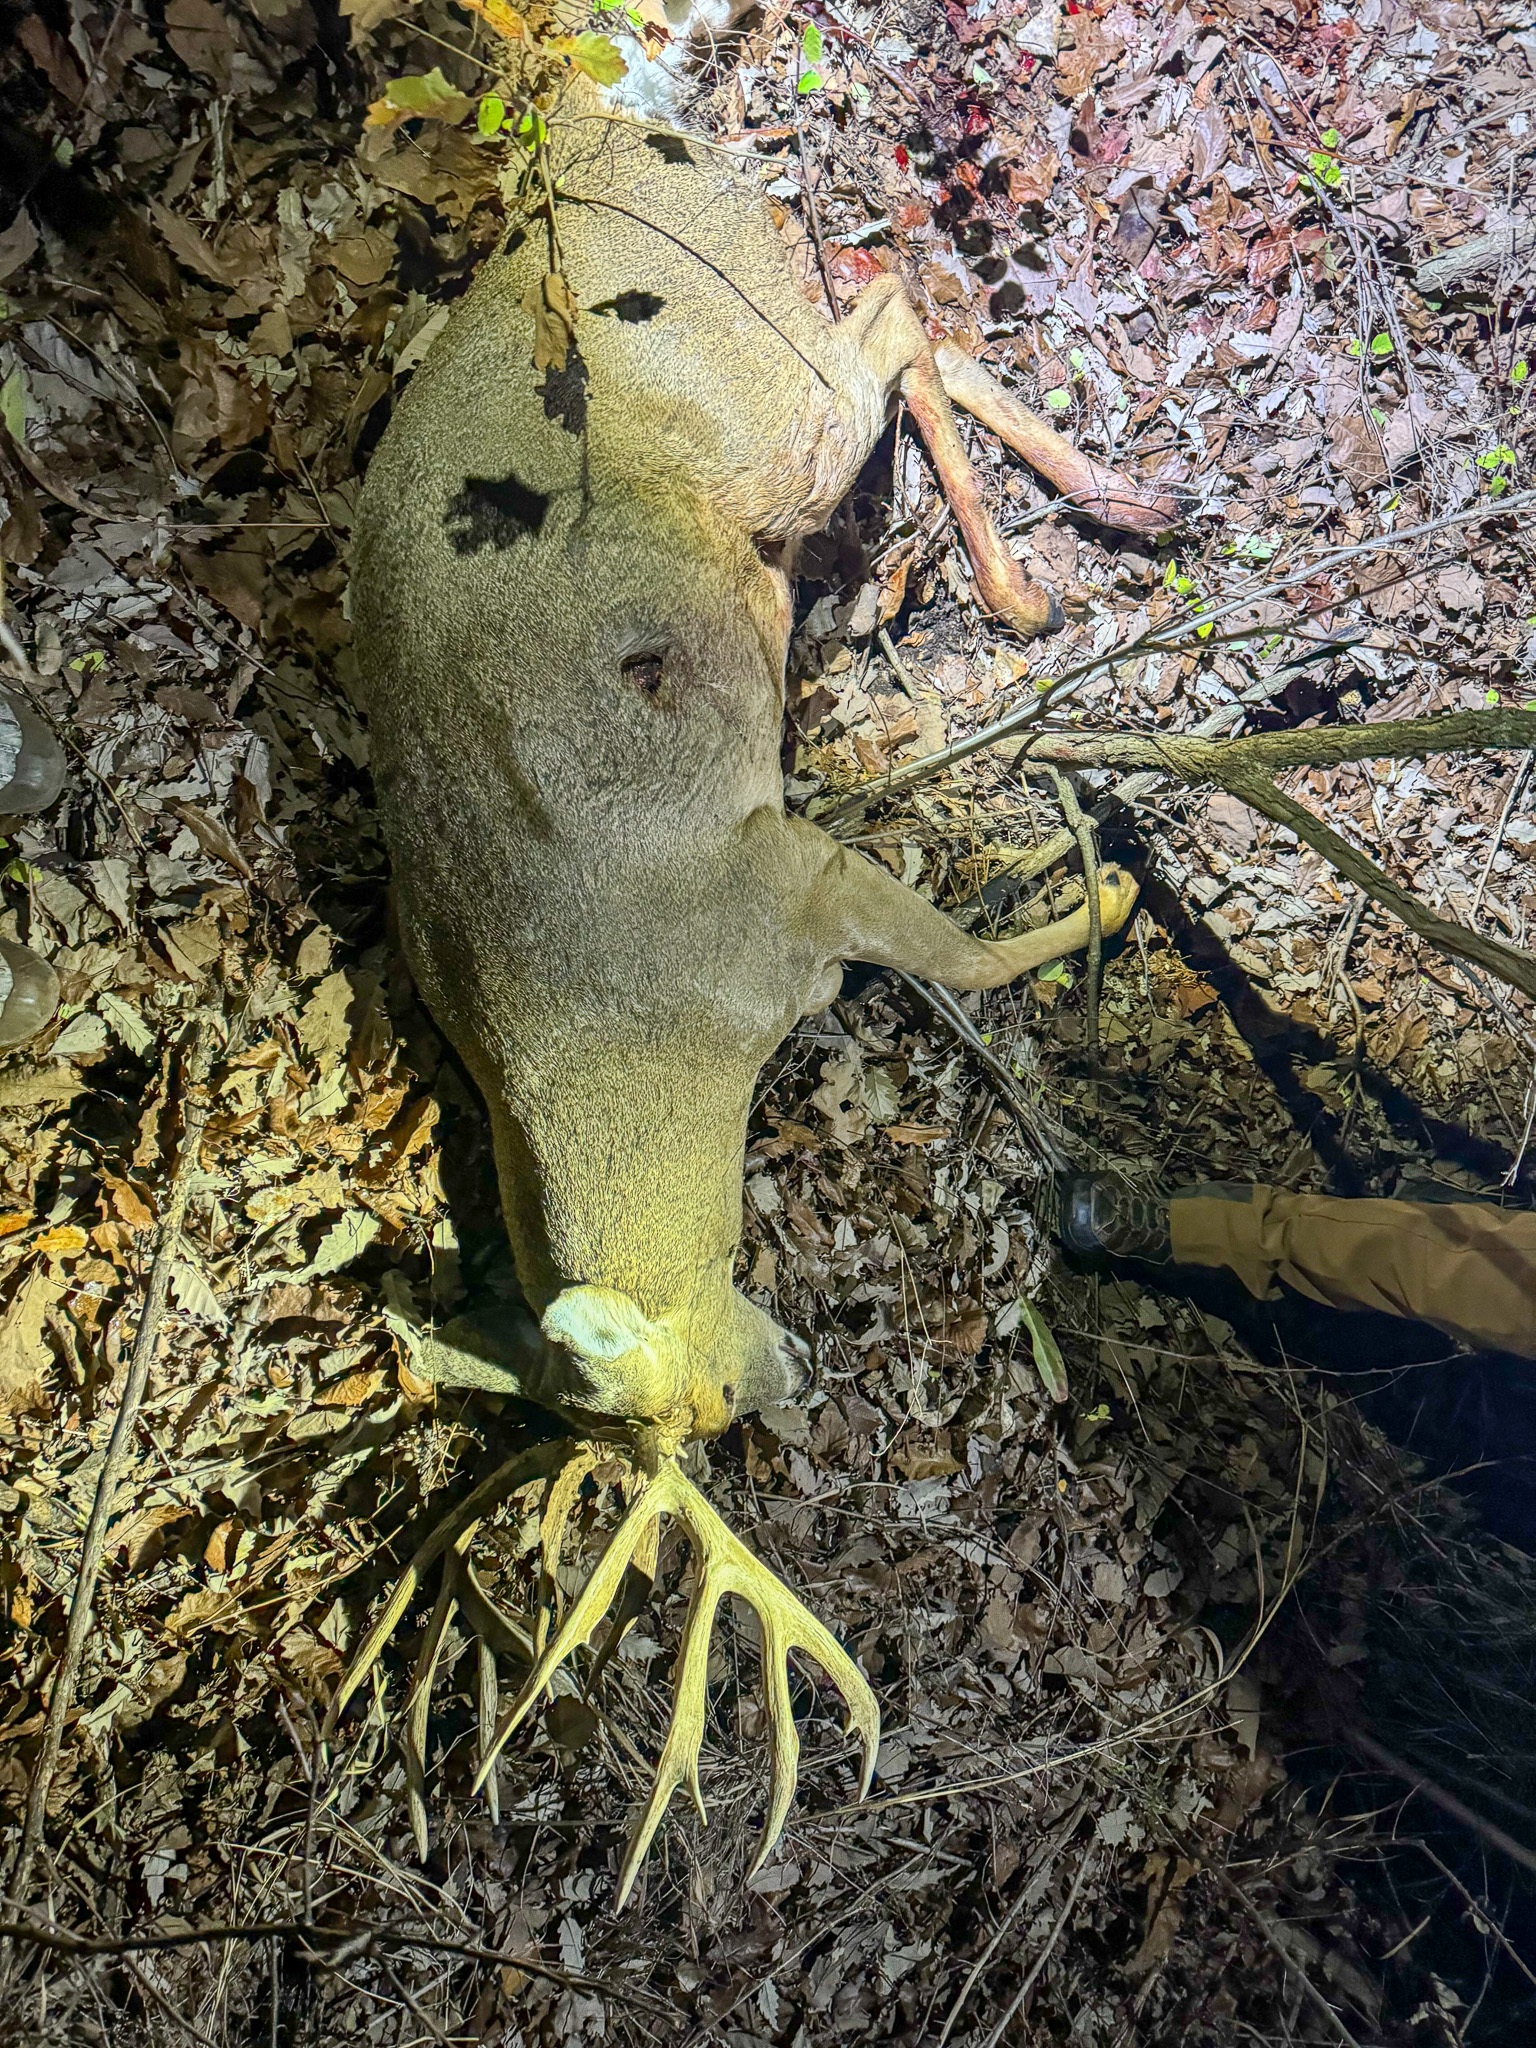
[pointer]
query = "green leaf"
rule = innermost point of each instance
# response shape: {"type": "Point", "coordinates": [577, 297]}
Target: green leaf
{"type": "Point", "coordinates": [1498, 487]}
{"type": "Point", "coordinates": [811, 43]}
{"type": "Point", "coordinates": [1330, 138]}
{"type": "Point", "coordinates": [1057, 400]}
{"type": "Point", "coordinates": [1048, 1360]}
{"type": "Point", "coordinates": [493, 111]}
{"type": "Point", "coordinates": [531, 130]}
{"type": "Point", "coordinates": [1381, 344]}
{"type": "Point", "coordinates": [1519, 372]}
{"type": "Point", "coordinates": [429, 94]}
{"type": "Point", "coordinates": [598, 56]}
{"type": "Point", "coordinates": [810, 81]}
{"type": "Point", "coordinates": [15, 405]}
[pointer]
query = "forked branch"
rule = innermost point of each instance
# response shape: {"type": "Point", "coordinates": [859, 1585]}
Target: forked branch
{"type": "Point", "coordinates": [1245, 769]}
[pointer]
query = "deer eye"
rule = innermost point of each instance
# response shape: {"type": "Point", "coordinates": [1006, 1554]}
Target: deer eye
{"type": "Point", "coordinates": [645, 672]}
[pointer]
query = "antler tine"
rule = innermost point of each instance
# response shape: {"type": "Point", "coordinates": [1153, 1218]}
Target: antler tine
{"type": "Point", "coordinates": [469, 1512]}
{"type": "Point", "coordinates": [680, 1756]}
{"type": "Point", "coordinates": [591, 1605]}
{"type": "Point", "coordinates": [413, 1741]}
{"type": "Point", "coordinates": [787, 1624]}
{"type": "Point", "coordinates": [725, 1566]}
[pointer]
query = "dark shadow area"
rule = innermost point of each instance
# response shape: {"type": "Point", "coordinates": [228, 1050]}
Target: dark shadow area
{"type": "Point", "coordinates": [1279, 1044]}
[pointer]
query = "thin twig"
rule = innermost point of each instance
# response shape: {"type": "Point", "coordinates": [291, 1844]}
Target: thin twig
{"type": "Point", "coordinates": [1313, 1996]}
{"type": "Point", "coordinates": [1396, 1767]}
{"type": "Point", "coordinates": [1085, 1863]}
{"type": "Point", "coordinates": [1155, 639]}
{"type": "Point", "coordinates": [115, 1464]}
{"type": "Point", "coordinates": [1081, 829]}
{"type": "Point", "coordinates": [1509, 804]}
{"type": "Point", "coordinates": [899, 668]}
{"type": "Point", "coordinates": [1483, 1913]}
{"type": "Point", "coordinates": [812, 211]}
{"type": "Point", "coordinates": [1028, 1893]}
{"type": "Point", "coordinates": [355, 1938]}
{"type": "Point", "coordinates": [1029, 1117]}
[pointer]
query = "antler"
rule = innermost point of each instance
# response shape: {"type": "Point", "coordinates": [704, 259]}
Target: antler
{"type": "Point", "coordinates": [725, 1566]}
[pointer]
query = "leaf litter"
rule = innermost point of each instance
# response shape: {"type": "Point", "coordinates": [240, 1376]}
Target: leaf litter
{"type": "Point", "coordinates": [1064, 1524]}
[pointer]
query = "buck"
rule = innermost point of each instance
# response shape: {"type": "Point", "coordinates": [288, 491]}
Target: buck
{"type": "Point", "coordinates": [572, 596]}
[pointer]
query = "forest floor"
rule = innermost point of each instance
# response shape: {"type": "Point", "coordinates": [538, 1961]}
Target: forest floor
{"type": "Point", "coordinates": [1122, 1639]}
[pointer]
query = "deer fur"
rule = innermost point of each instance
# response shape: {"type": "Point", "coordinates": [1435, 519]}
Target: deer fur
{"type": "Point", "coordinates": [572, 600]}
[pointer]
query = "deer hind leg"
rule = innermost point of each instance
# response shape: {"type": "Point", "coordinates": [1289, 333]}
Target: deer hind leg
{"type": "Point", "coordinates": [1104, 494]}
{"type": "Point", "coordinates": [893, 347]}
{"type": "Point", "coordinates": [854, 910]}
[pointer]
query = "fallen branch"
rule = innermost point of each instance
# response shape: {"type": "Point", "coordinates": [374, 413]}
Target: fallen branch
{"type": "Point", "coordinates": [1154, 640]}
{"type": "Point", "coordinates": [353, 1940]}
{"type": "Point", "coordinates": [1244, 767]}
{"type": "Point", "coordinates": [1513, 242]}
{"type": "Point", "coordinates": [1367, 1747]}
{"type": "Point", "coordinates": [1197, 759]}
{"type": "Point", "coordinates": [114, 1465]}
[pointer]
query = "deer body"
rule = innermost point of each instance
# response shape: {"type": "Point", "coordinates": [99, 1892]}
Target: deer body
{"type": "Point", "coordinates": [573, 606]}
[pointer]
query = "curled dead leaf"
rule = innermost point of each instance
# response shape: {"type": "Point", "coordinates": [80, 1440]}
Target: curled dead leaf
{"type": "Point", "coordinates": [553, 306]}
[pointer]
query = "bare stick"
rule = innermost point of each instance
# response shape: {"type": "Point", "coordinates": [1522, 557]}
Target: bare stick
{"type": "Point", "coordinates": [356, 1938]}
{"type": "Point", "coordinates": [1158, 639]}
{"type": "Point", "coordinates": [1509, 804]}
{"type": "Point", "coordinates": [1509, 963]}
{"type": "Point", "coordinates": [115, 1464]}
{"type": "Point", "coordinates": [1310, 1992]}
{"type": "Point", "coordinates": [1244, 766]}
{"type": "Point", "coordinates": [1086, 1862]}
{"type": "Point", "coordinates": [1486, 1830]}
{"type": "Point", "coordinates": [1032, 1119]}
{"type": "Point", "coordinates": [1082, 831]}
{"type": "Point", "coordinates": [1268, 753]}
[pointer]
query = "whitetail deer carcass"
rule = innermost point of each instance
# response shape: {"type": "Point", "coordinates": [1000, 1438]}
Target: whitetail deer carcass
{"type": "Point", "coordinates": [572, 603]}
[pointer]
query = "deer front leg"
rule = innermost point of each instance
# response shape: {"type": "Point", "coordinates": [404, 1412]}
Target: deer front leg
{"type": "Point", "coordinates": [854, 910]}
{"type": "Point", "coordinates": [891, 340]}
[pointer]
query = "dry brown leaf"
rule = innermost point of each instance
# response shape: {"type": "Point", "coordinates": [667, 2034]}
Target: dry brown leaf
{"type": "Point", "coordinates": [25, 1356]}
{"type": "Point", "coordinates": [553, 306]}
{"type": "Point", "coordinates": [365, 15]}
{"type": "Point", "coordinates": [213, 837]}
{"type": "Point", "coordinates": [202, 38]}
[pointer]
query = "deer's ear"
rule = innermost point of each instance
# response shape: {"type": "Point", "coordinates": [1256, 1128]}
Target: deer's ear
{"type": "Point", "coordinates": [598, 1323]}
{"type": "Point", "coordinates": [607, 1353]}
